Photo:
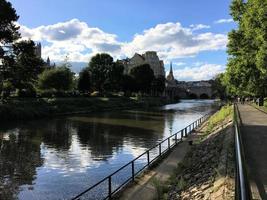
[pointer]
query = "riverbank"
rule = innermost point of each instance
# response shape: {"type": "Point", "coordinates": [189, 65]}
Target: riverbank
{"type": "Point", "coordinates": [208, 164]}
{"type": "Point", "coordinates": [210, 158]}
{"type": "Point", "coordinates": [25, 109]}
{"type": "Point", "coordinates": [208, 170]}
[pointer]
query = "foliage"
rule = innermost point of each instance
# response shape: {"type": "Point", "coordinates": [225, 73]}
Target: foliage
{"type": "Point", "coordinates": [128, 84]}
{"type": "Point", "coordinates": [159, 186]}
{"type": "Point", "coordinates": [114, 77]}
{"type": "Point", "coordinates": [246, 72]}
{"type": "Point", "coordinates": [8, 34]}
{"type": "Point", "coordinates": [100, 66]}
{"type": "Point", "coordinates": [8, 28]}
{"type": "Point", "coordinates": [218, 86]}
{"type": "Point", "coordinates": [158, 85]}
{"type": "Point", "coordinates": [27, 66]}
{"type": "Point", "coordinates": [143, 76]}
{"type": "Point", "coordinates": [84, 81]}
{"type": "Point", "coordinates": [59, 78]}
{"type": "Point", "coordinates": [218, 117]}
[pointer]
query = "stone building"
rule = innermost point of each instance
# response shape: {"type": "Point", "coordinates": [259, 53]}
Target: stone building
{"type": "Point", "coordinates": [38, 50]}
{"type": "Point", "coordinates": [149, 57]}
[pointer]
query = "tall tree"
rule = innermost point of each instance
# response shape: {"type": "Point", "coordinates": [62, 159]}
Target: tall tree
{"type": "Point", "coordinates": [8, 34]}
{"type": "Point", "coordinates": [114, 77]}
{"type": "Point", "coordinates": [84, 81]}
{"type": "Point", "coordinates": [27, 67]}
{"type": "Point", "coordinates": [8, 28]}
{"type": "Point", "coordinates": [143, 76]}
{"type": "Point", "coordinates": [158, 85]}
{"type": "Point", "coordinates": [100, 65]}
{"type": "Point", "coordinates": [128, 84]}
{"type": "Point", "coordinates": [246, 72]}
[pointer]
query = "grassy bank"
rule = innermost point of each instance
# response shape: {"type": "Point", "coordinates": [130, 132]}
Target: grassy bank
{"type": "Point", "coordinates": [207, 171]}
{"type": "Point", "coordinates": [263, 108]}
{"type": "Point", "coordinates": [21, 109]}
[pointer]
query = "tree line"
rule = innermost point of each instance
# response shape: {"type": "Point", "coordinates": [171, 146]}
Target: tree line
{"type": "Point", "coordinates": [246, 72]}
{"type": "Point", "coordinates": [23, 73]}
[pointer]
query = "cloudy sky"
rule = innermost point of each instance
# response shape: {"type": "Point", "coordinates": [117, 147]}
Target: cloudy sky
{"type": "Point", "coordinates": [191, 34]}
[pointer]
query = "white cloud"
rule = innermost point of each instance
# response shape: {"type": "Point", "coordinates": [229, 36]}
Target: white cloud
{"type": "Point", "coordinates": [204, 72]}
{"type": "Point", "coordinates": [73, 38]}
{"type": "Point", "coordinates": [221, 21]}
{"type": "Point", "coordinates": [178, 63]}
{"type": "Point", "coordinates": [195, 27]}
{"type": "Point", "coordinates": [80, 41]}
{"type": "Point", "coordinates": [171, 40]}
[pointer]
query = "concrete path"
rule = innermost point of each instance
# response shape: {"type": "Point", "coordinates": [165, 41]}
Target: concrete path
{"type": "Point", "coordinates": [143, 189]}
{"type": "Point", "coordinates": [254, 136]}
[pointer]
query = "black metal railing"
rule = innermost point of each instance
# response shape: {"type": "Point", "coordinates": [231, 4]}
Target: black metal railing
{"type": "Point", "coordinates": [242, 191]}
{"type": "Point", "coordinates": [135, 166]}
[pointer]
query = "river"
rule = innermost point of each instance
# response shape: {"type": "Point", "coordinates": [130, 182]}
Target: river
{"type": "Point", "coordinates": [60, 157]}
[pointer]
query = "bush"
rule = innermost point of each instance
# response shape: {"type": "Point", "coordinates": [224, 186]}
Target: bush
{"type": "Point", "coordinates": [60, 78]}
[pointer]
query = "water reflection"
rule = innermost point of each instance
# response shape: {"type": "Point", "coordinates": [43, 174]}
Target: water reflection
{"type": "Point", "coordinates": [44, 159]}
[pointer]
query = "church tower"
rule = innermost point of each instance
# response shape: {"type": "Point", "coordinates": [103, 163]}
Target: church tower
{"type": "Point", "coordinates": [170, 77]}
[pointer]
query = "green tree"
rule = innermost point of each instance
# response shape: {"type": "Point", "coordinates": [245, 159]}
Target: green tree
{"type": "Point", "coordinates": [246, 72]}
{"type": "Point", "coordinates": [143, 76]}
{"type": "Point", "coordinates": [113, 81]}
{"type": "Point", "coordinates": [8, 34]}
{"type": "Point", "coordinates": [128, 85]}
{"type": "Point", "coordinates": [158, 85]}
{"type": "Point", "coordinates": [218, 86]}
{"type": "Point", "coordinates": [100, 66]}
{"type": "Point", "coordinates": [8, 28]}
{"type": "Point", "coordinates": [59, 78]}
{"type": "Point", "coordinates": [84, 81]}
{"type": "Point", "coordinates": [27, 65]}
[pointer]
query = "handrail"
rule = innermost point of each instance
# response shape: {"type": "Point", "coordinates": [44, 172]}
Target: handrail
{"type": "Point", "coordinates": [184, 133]}
{"type": "Point", "coordinates": [242, 191]}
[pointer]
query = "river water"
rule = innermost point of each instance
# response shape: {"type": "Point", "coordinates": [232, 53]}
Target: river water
{"type": "Point", "coordinates": [60, 157]}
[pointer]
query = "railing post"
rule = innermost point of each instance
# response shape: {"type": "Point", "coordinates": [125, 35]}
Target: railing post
{"type": "Point", "coordinates": [185, 131]}
{"type": "Point", "coordinates": [182, 134]}
{"type": "Point", "coordinates": [176, 138]}
{"type": "Point", "coordinates": [109, 187]}
{"type": "Point", "coordinates": [147, 158]}
{"type": "Point", "coordinates": [189, 129]}
{"type": "Point", "coordinates": [159, 149]}
{"type": "Point", "coordinates": [132, 170]}
{"type": "Point", "coordinates": [168, 143]}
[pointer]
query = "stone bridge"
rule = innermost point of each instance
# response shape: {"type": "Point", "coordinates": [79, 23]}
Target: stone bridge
{"type": "Point", "coordinates": [194, 92]}
{"type": "Point", "coordinates": [200, 92]}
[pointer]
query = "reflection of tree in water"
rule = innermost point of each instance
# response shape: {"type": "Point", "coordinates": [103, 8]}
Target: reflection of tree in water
{"type": "Point", "coordinates": [19, 157]}
{"type": "Point", "coordinates": [57, 134]}
{"type": "Point", "coordinates": [105, 139]}
{"type": "Point", "coordinates": [170, 120]}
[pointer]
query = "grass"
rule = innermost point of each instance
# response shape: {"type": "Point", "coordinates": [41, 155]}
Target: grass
{"type": "Point", "coordinates": [32, 108]}
{"type": "Point", "coordinates": [263, 108]}
{"type": "Point", "coordinates": [216, 119]}
{"type": "Point", "coordinates": [160, 187]}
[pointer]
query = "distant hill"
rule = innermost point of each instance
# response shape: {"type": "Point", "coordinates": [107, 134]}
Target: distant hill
{"type": "Point", "coordinates": [76, 66]}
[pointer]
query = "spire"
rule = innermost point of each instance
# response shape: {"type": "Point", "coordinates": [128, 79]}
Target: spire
{"type": "Point", "coordinates": [48, 61]}
{"type": "Point", "coordinates": [170, 77]}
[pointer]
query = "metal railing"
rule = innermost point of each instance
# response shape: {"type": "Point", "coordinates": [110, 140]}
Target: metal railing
{"type": "Point", "coordinates": [134, 167]}
{"type": "Point", "coordinates": [242, 191]}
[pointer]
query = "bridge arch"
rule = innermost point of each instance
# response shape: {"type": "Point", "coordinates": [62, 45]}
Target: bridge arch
{"type": "Point", "coordinates": [204, 96]}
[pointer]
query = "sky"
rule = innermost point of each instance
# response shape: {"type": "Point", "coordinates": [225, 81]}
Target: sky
{"type": "Point", "coordinates": [190, 33]}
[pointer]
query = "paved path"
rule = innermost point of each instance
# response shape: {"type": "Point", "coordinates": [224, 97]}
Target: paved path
{"type": "Point", "coordinates": [254, 136]}
{"type": "Point", "coordinates": [143, 189]}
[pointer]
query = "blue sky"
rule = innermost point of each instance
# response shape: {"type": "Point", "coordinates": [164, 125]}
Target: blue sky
{"type": "Point", "coordinates": [186, 32]}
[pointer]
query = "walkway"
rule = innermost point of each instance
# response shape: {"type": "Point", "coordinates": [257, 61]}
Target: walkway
{"type": "Point", "coordinates": [254, 136]}
{"type": "Point", "coordinates": [143, 189]}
